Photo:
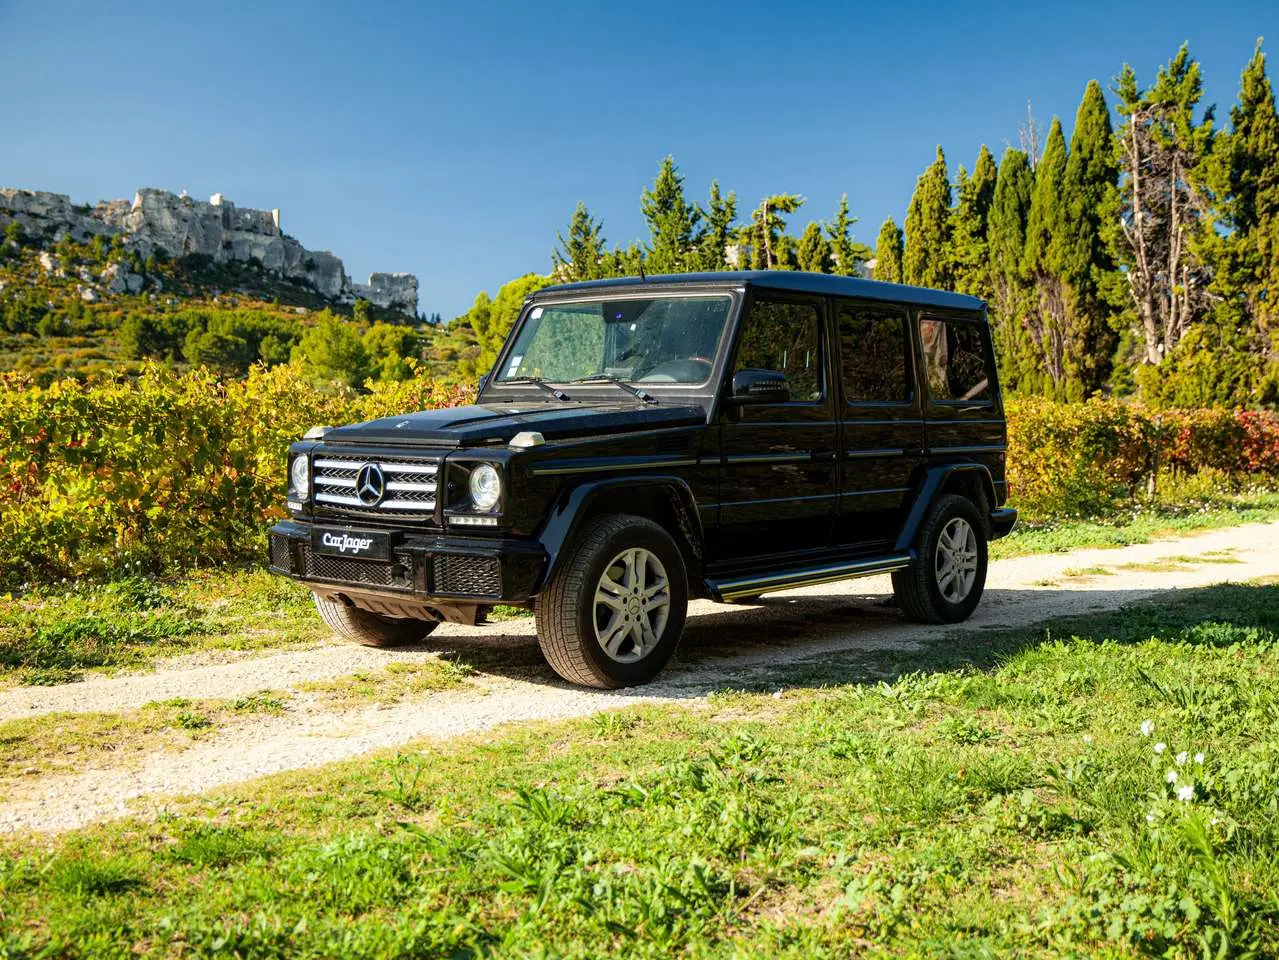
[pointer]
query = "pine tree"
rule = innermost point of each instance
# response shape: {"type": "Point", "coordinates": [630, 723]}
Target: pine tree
{"type": "Point", "coordinates": [1044, 261]}
{"type": "Point", "coordinates": [1162, 147]}
{"type": "Point", "coordinates": [926, 260]}
{"type": "Point", "coordinates": [672, 222]}
{"type": "Point", "coordinates": [813, 253]}
{"type": "Point", "coordinates": [1244, 242]}
{"type": "Point", "coordinates": [888, 253]}
{"type": "Point", "coordinates": [581, 256]}
{"type": "Point", "coordinates": [974, 195]}
{"type": "Point", "coordinates": [1006, 243]}
{"type": "Point", "coordinates": [1089, 272]}
{"type": "Point", "coordinates": [765, 235]}
{"type": "Point", "coordinates": [847, 254]}
{"type": "Point", "coordinates": [718, 233]}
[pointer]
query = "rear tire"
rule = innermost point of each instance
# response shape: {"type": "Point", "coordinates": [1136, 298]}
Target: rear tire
{"type": "Point", "coordinates": [371, 629]}
{"type": "Point", "coordinates": [945, 583]}
{"type": "Point", "coordinates": [614, 611]}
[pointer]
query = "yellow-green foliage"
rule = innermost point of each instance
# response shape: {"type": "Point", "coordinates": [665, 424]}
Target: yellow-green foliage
{"type": "Point", "coordinates": [165, 469]}
{"type": "Point", "coordinates": [1068, 459]}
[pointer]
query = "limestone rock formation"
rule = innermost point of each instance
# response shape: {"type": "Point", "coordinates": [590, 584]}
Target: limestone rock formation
{"type": "Point", "coordinates": [180, 226]}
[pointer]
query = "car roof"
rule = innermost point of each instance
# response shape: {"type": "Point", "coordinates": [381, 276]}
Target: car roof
{"type": "Point", "coordinates": [795, 281]}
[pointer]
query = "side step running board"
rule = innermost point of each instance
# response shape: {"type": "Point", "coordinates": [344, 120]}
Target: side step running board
{"type": "Point", "coordinates": [732, 588]}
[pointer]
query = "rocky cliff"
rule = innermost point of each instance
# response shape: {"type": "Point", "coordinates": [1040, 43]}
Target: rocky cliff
{"type": "Point", "coordinates": [180, 226]}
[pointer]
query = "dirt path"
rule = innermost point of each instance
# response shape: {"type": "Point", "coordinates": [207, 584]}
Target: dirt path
{"type": "Point", "coordinates": [724, 646]}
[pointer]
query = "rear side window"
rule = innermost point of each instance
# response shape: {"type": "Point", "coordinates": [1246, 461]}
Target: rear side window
{"type": "Point", "coordinates": [872, 343]}
{"type": "Point", "coordinates": [955, 360]}
{"type": "Point", "coordinates": [785, 337]}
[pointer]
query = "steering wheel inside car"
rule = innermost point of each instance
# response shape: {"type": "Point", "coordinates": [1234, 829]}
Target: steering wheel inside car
{"type": "Point", "coordinates": [692, 370]}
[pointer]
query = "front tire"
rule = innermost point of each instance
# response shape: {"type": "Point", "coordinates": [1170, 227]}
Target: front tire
{"type": "Point", "coordinates": [945, 583]}
{"type": "Point", "coordinates": [614, 612]}
{"type": "Point", "coordinates": [371, 629]}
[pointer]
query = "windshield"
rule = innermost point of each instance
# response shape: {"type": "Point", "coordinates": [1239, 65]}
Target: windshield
{"type": "Point", "coordinates": [642, 339]}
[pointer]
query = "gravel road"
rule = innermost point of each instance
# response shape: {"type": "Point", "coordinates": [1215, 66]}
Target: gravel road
{"type": "Point", "coordinates": [724, 646]}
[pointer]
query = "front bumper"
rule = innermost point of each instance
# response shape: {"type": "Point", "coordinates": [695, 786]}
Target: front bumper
{"type": "Point", "coordinates": [422, 566]}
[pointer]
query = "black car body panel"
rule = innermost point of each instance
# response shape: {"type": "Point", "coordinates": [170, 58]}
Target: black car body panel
{"type": "Point", "coordinates": [758, 495]}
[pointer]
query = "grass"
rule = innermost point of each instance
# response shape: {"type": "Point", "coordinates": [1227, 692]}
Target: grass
{"type": "Point", "coordinates": [990, 795]}
{"type": "Point", "coordinates": [390, 684]}
{"type": "Point", "coordinates": [71, 742]}
{"type": "Point", "coordinates": [1140, 526]}
{"type": "Point", "coordinates": [54, 633]}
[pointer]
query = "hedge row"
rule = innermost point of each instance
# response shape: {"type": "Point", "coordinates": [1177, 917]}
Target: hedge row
{"type": "Point", "coordinates": [1087, 459]}
{"type": "Point", "coordinates": [165, 470]}
{"type": "Point", "coordinates": [170, 470]}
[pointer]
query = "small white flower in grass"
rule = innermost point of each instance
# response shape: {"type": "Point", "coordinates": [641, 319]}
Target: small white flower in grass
{"type": "Point", "coordinates": [1171, 776]}
{"type": "Point", "coordinates": [1181, 758]}
{"type": "Point", "coordinates": [1199, 759]}
{"type": "Point", "coordinates": [777, 694]}
{"type": "Point", "coordinates": [1186, 794]}
{"type": "Point", "coordinates": [1150, 818]}
{"type": "Point", "coordinates": [1147, 727]}
{"type": "Point", "coordinates": [1087, 738]}
{"type": "Point", "coordinates": [1160, 747]}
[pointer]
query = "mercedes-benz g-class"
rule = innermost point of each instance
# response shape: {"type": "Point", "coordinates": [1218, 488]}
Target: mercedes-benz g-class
{"type": "Point", "coordinates": [640, 442]}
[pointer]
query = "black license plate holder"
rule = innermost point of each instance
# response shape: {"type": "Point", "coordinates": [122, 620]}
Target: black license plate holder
{"type": "Point", "coordinates": [353, 544]}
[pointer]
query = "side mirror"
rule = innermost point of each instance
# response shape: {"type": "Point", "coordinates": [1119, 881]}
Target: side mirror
{"type": "Point", "coordinates": [760, 386]}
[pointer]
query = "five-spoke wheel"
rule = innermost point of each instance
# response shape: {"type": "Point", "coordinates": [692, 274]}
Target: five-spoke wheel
{"type": "Point", "coordinates": [632, 605]}
{"type": "Point", "coordinates": [956, 560]}
{"type": "Point", "coordinates": [945, 582]}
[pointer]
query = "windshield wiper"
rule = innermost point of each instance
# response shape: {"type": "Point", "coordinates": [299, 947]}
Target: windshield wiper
{"type": "Point", "coordinates": [540, 384]}
{"type": "Point", "coordinates": [635, 392]}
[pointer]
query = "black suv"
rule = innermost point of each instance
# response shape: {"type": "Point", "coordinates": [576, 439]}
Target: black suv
{"type": "Point", "coordinates": [643, 441]}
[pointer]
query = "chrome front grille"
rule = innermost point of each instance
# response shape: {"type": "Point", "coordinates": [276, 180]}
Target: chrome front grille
{"type": "Point", "coordinates": [410, 485]}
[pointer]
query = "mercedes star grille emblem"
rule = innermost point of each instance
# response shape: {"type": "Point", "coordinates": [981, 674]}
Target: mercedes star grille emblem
{"type": "Point", "coordinates": [370, 485]}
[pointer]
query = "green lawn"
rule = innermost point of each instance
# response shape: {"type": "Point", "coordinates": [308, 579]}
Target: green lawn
{"type": "Point", "coordinates": [998, 797]}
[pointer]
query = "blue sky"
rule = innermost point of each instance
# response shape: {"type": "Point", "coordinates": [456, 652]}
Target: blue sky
{"type": "Point", "coordinates": [454, 140]}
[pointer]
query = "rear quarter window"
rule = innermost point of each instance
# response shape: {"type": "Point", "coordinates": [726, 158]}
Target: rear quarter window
{"type": "Point", "coordinates": [955, 360]}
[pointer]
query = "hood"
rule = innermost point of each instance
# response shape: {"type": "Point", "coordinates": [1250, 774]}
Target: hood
{"type": "Point", "coordinates": [481, 424]}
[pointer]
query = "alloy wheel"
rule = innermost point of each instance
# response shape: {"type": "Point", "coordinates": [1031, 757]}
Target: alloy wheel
{"type": "Point", "coordinates": [632, 605]}
{"type": "Point", "coordinates": [956, 560]}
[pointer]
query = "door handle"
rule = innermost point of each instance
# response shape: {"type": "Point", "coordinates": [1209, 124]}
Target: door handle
{"type": "Point", "coordinates": [823, 455]}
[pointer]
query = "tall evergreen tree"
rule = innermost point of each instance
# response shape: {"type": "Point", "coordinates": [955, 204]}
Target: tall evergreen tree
{"type": "Point", "coordinates": [969, 257]}
{"type": "Point", "coordinates": [1006, 243]}
{"type": "Point", "coordinates": [1044, 262]}
{"type": "Point", "coordinates": [765, 235]}
{"type": "Point", "coordinates": [888, 253]}
{"type": "Point", "coordinates": [672, 221]}
{"type": "Point", "coordinates": [1162, 146]}
{"type": "Point", "coordinates": [847, 254]}
{"type": "Point", "coordinates": [1089, 273]}
{"type": "Point", "coordinates": [581, 255]}
{"type": "Point", "coordinates": [926, 262]}
{"type": "Point", "coordinates": [813, 253]}
{"type": "Point", "coordinates": [719, 216]}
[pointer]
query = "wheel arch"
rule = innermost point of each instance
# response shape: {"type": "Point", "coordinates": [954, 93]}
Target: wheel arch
{"type": "Point", "coordinates": [666, 500]}
{"type": "Point", "coordinates": [971, 480]}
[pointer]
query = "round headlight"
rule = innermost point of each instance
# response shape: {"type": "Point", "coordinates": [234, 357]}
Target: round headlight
{"type": "Point", "coordinates": [300, 476]}
{"type": "Point", "coordinates": [486, 487]}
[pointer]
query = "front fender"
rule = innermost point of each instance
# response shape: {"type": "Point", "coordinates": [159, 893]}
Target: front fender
{"type": "Point", "coordinates": [574, 506]}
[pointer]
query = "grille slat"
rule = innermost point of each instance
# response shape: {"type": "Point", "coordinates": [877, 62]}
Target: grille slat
{"type": "Point", "coordinates": [410, 486]}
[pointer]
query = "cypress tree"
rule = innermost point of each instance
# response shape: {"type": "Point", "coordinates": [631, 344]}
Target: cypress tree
{"type": "Point", "coordinates": [847, 255]}
{"type": "Point", "coordinates": [888, 253]}
{"type": "Point", "coordinates": [926, 261]}
{"type": "Point", "coordinates": [1088, 269]}
{"type": "Point", "coordinates": [581, 256]}
{"type": "Point", "coordinates": [813, 253]}
{"type": "Point", "coordinates": [672, 222]}
{"type": "Point", "coordinates": [974, 195]}
{"type": "Point", "coordinates": [1044, 262]}
{"type": "Point", "coordinates": [719, 216]}
{"type": "Point", "coordinates": [1006, 243]}
{"type": "Point", "coordinates": [770, 247]}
